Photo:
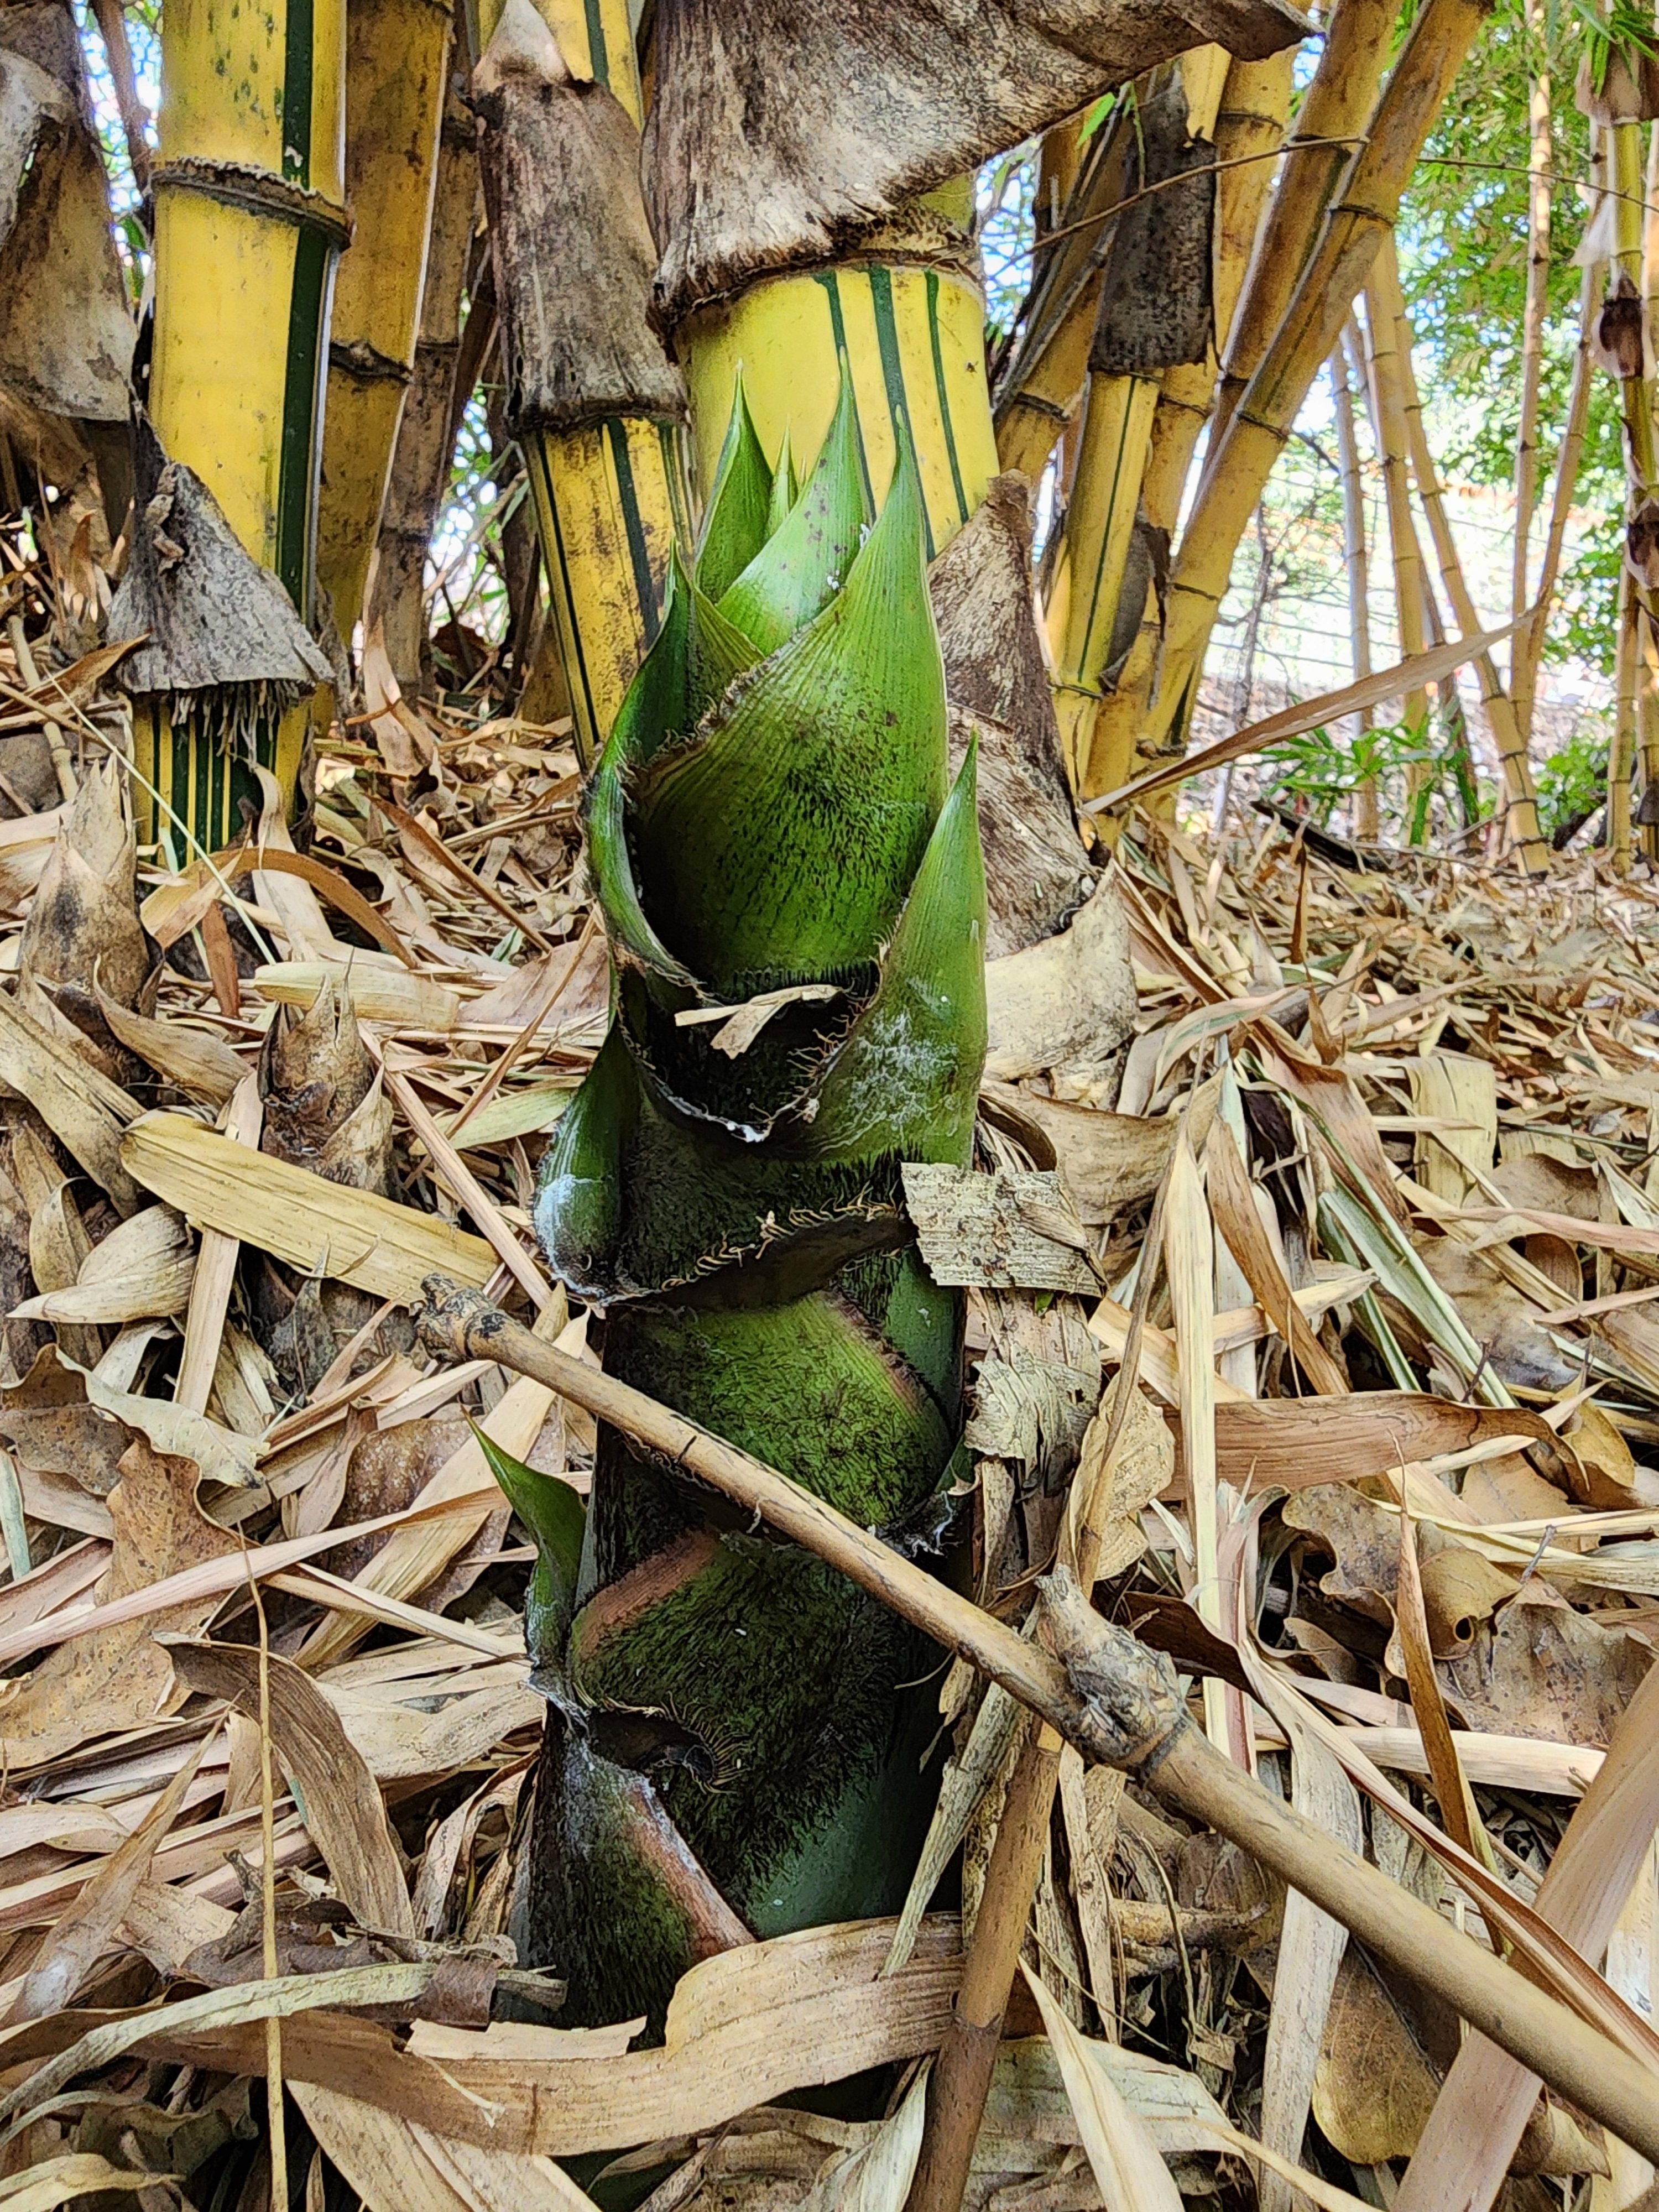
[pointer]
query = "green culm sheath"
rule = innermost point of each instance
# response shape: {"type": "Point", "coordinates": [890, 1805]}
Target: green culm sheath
{"type": "Point", "coordinates": [736, 1734]}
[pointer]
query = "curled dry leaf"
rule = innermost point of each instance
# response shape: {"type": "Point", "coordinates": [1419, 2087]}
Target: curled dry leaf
{"type": "Point", "coordinates": [143, 1268]}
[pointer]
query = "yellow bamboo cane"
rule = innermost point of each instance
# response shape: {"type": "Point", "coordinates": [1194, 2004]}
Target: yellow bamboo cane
{"type": "Point", "coordinates": [1356, 560]}
{"type": "Point", "coordinates": [1538, 272]}
{"type": "Point", "coordinates": [1043, 391]}
{"type": "Point", "coordinates": [249, 222]}
{"type": "Point", "coordinates": [1387, 398]}
{"type": "Point", "coordinates": [1521, 828]}
{"type": "Point", "coordinates": [1254, 103]}
{"type": "Point", "coordinates": [1338, 106]}
{"type": "Point", "coordinates": [421, 461]}
{"type": "Point", "coordinates": [397, 55]}
{"type": "Point", "coordinates": [608, 491]}
{"type": "Point", "coordinates": [1337, 270]}
{"type": "Point", "coordinates": [913, 336]}
{"type": "Point", "coordinates": [1100, 513]}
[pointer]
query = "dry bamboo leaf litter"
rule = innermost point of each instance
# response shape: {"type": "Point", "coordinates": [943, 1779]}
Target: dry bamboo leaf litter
{"type": "Point", "coordinates": [1336, 1075]}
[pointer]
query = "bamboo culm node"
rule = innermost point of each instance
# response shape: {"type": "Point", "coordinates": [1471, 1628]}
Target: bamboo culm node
{"type": "Point", "coordinates": [1118, 1703]}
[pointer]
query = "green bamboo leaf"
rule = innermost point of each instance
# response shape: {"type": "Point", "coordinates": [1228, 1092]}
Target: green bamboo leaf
{"type": "Point", "coordinates": [694, 659]}
{"type": "Point", "coordinates": [780, 842]}
{"type": "Point", "coordinates": [801, 565]}
{"type": "Point", "coordinates": [906, 1080]}
{"type": "Point", "coordinates": [785, 489]}
{"type": "Point", "coordinates": [735, 523]}
{"type": "Point", "coordinates": [579, 1201]}
{"type": "Point", "coordinates": [555, 1516]}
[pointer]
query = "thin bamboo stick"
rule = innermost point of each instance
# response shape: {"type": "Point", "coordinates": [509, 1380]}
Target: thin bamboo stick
{"type": "Point", "coordinates": [1119, 1705]}
{"type": "Point", "coordinates": [1387, 398]}
{"type": "Point", "coordinates": [1356, 560]}
{"type": "Point", "coordinates": [1354, 229]}
{"type": "Point", "coordinates": [1540, 156]}
{"type": "Point", "coordinates": [1528, 649]}
{"type": "Point", "coordinates": [1647, 729]}
{"type": "Point", "coordinates": [1339, 103]}
{"type": "Point", "coordinates": [1521, 826]}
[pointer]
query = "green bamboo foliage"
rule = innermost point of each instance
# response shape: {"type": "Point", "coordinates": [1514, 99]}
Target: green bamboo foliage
{"type": "Point", "coordinates": [770, 828]}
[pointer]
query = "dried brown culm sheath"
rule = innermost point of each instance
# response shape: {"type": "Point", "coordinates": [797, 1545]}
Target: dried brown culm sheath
{"type": "Point", "coordinates": [560, 160]}
{"type": "Point", "coordinates": [753, 167]}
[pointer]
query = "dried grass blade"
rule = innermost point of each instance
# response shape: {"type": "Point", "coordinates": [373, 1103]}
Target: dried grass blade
{"type": "Point", "coordinates": [321, 1228]}
{"type": "Point", "coordinates": [1189, 1259]}
{"type": "Point", "coordinates": [397, 1984]}
{"type": "Point", "coordinates": [1129, 2170]}
{"type": "Point", "coordinates": [1478, 2118]}
{"type": "Point", "coordinates": [80, 1934]}
{"type": "Point", "coordinates": [343, 1810]}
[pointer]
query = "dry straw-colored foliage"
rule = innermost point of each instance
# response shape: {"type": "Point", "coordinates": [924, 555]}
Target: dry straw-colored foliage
{"type": "Point", "coordinates": [1384, 1478]}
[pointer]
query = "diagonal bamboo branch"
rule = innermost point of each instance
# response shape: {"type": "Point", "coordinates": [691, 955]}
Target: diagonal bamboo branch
{"type": "Point", "coordinates": [1118, 1703]}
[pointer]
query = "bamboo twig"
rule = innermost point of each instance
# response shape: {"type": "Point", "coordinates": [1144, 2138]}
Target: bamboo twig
{"type": "Point", "coordinates": [1356, 561]}
{"type": "Point", "coordinates": [1538, 278]}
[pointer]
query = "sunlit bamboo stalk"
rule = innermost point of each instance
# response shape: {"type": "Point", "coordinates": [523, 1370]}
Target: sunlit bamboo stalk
{"type": "Point", "coordinates": [1043, 389]}
{"type": "Point", "coordinates": [1527, 651]}
{"type": "Point", "coordinates": [1521, 824]}
{"type": "Point", "coordinates": [1540, 157]}
{"type": "Point", "coordinates": [1387, 399]}
{"type": "Point", "coordinates": [912, 331]}
{"type": "Point", "coordinates": [1254, 102]}
{"type": "Point", "coordinates": [1338, 106]}
{"type": "Point", "coordinates": [1356, 560]}
{"type": "Point", "coordinates": [1255, 434]}
{"type": "Point", "coordinates": [594, 403]}
{"type": "Point", "coordinates": [250, 220]}
{"type": "Point", "coordinates": [1105, 495]}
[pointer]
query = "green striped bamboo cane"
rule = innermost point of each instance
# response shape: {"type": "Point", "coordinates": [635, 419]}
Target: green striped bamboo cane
{"type": "Point", "coordinates": [249, 224]}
